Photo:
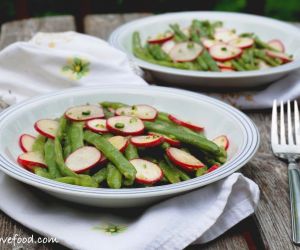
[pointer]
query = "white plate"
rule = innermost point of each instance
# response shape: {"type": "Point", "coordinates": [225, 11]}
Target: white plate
{"type": "Point", "coordinates": [265, 28]}
{"type": "Point", "coordinates": [217, 117]}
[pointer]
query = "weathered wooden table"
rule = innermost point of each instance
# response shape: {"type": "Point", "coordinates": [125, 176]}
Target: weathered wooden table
{"type": "Point", "coordinates": [268, 228]}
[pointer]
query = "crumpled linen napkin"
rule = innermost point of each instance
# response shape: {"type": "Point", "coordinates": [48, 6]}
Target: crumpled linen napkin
{"type": "Point", "coordinates": [196, 217]}
{"type": "Point", "coordinates": [56, 61]}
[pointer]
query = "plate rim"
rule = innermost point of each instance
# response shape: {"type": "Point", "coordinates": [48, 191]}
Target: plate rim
{"type": "Point", "coordinates": [53, 186]}
{"type": "Point", "coordinates": [115, 42]}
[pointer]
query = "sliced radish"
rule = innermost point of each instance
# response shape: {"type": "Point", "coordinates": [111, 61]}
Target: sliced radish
{"type": "Point", "coordinates": [223, 52]}
{"type": "Point", "coordinates": [97, 125]}
{"type": "Point", "coordinates": [119, 142]}
{"type": "Point", "coordinates": [147, 171]}
{"type": "Point", "coordinates": [263, 65]}
{"type": "Point", "coordinates": [84, 113]}
{"type": "Point", "coordinates": [185, 123]}
{"type": "Point", "coordinates": [168, 46]}
{"type": "Point", "coordinates": [184, 159]}
{"type": "Point", "coordinates": [242, 42]}
{"type": "Point", "coordinates": [147, 140]}
{"type": "Point", "coordinates": [212, 168]}
{"type": "Point", "coordinates": [227, 70]}
{"type": "Point", "coordinates": [222, 141]}
{"type": "Point", "coordinates": [185, 52]}
{"type": "Point", "coordinates": [161, 38]}
{"type": "Point", "coordinates": [225, 35]}
{"type": "Point", "coordinates": [144, 112]}
{"type": "Point", "coordinates": [172, 142]}
{"type": "Point", "coordinates": [26, 141]}
{"type": "Point", "coordinates": [83, 159]}
{"type": "Point", "coordinates": [125, 125]}
{"type": "Point", "coordinates": [277, 44]}
{"type": "Point", "coordinates": [31, 159]}
{"type": "Point", "coordinates": [47, 127]}
{"type": "Point", "coordinates": [210, 42]}
{"type": "Point", "coordinates": [282, 56]}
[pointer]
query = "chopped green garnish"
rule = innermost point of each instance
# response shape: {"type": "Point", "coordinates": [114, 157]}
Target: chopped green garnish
{"type": "Point", "coordinates": [86, 112]}
{"type": "Point", "coordinates": [119, 125]}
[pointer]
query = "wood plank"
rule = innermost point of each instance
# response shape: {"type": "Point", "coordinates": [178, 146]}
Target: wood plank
{"type": "Point", "coordinates": [102, 25]}
{"type": "Point", "coordinates": [23, 30]}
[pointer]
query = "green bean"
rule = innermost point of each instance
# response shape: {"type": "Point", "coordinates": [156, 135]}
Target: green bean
{"type": "Point", "coordinates": [262, 55]}
{"type": "Point", "coordinates": [171, 175]}
{"type": "Point", "coordinates": [64, 170]}
{"type": "Point", "coordinates": [212, 65]}
{"type": "Point", "coordinates": [39, 143]}
{"type": "Point", "coordinates": [260, 44]}
{"type": "Point", "coordinates": [137, 48]}
{"type": "Point", "coordinates": [157, 53]}
{"type": "Point", "coordinates": [165, 145]}
{"type": "Point", "coordinates": [201, 171]}
{"type": "Point", "coordinates": [107, 135]}
{"type": "Point", "coordinates": [112, 154]}
{"type": "Point", "coordinates": [195, 140]}
{"type": "Point", "coordinates": [131, 152]}
{"type": "Point", "coordinates": [114, 177]}
{"type": "Point", "coordinates": [42, 172]}
{"type": "Point", "coordinates": [67, 149]}
{"type": "Point", "coordinates": [202, 63]}
{"type": "Point", "coordinates": [237, 66]}
{"type": "Point", "coordinates": [85, 181]}
{"type": "Point", "coordinates": [63, 123]}
{"type": "Point", "coordinates": [100, 176]}
{"type": "Point", "coordinates": [180, 35]}
{"type": "Point", "coordinates": [183, 176]}
{"type": "Point", "coordinates": [108, 113]}
{"type": "Point", "coordinates": [76, 135]}
{"type": "Point", "coordinates": [113, 105]}
{"type": "Point", "coordinates": [50, 159]}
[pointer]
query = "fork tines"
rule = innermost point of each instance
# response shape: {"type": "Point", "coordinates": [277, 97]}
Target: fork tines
{"type": "Point", "coordinates": [293, 135]}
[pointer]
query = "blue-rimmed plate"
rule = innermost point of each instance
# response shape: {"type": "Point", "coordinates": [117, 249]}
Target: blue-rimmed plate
{"type": "Point", "coordinates": [216, 116]}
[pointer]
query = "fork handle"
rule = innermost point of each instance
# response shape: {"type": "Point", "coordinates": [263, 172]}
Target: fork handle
{"type": "Point", "coordinates": [294, 184]}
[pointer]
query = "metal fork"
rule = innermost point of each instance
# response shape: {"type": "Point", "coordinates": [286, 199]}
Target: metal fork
{"type": "Point", "coordinates": [289, 150]}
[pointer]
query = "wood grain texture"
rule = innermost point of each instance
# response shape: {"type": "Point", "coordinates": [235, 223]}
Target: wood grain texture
{"type": "Point", "coordinates": [23, 30]}
{"type": "Point", "coordinates": [102, 25]}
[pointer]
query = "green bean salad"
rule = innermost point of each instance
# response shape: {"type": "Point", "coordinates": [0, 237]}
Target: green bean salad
{"type": "Point", "coordinates": [114, 145]}
{"type": "Point", "coordinates": [208, 46]}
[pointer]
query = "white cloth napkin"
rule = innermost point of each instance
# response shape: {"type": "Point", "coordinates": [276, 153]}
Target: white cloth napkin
{"type": "Point", "coordinates": [48, 62]}
{"type": "Point", "coordinates": [199, 216]}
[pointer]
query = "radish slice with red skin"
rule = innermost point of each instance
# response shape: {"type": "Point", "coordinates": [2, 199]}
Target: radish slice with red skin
{"type": "Point", "coordinates": [277, 44]}
{"type": "Point", "coordinates": [84, 113]}
{"type": "Point", "coordinates": [222, 141]}
{"type": "Point", "coordinates": [225, 35]}
{"type": "Point", "coordinates": [147, 140]}
{"type": "Point", "coordinates": [83, 159]}
{"type": "Point", "coordinates": [184, 159]}
{"type": "Point", "coordinates": [31, 159]}
{"type": "Point", "coordinates": [210, 42]}
{"type": "Point", "coordinates": [185, 123]}
{"type": "Point", "coordinates": [125, 125]}
{"type": "Point", "coordinates": [119, 142]}
{"type": "Point", "coordinates": [147, 171]}
{"type": "Point", "coordinates": [242, 42]}
{"type": "Point", "coordinates": [25, 142]}
{"type": "Point", "coordinates": [282, 56]}
{"type": "Point", "coordinates": [223, 52]}
{"type": "Point", "coordinates": [97, 125]}
{"type": "Point", "coordinates": [263, 65]}
{"type": "Point", "coordinates": [168, 46]}
{"type": "Point", "coordinates": [212, 168]}
{"type": "Point", "coordinates": [161, 38]}
{"type": "Point", "coordinates": [185, 52]}
{"type": "Point", "coordinates": [47, 127]}
{"type": "Point", "coordinates": [227, 70]}
{"type": "Point", "coordinates": [167, 139]}
{"type": "Point", "coordinates": [144, 112]}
